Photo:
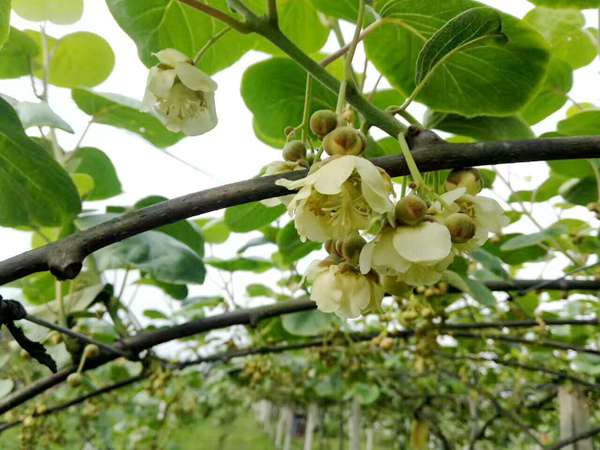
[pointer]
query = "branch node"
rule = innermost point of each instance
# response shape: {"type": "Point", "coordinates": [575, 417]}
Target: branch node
{"type": "Point", "coordinates": [65, 263]}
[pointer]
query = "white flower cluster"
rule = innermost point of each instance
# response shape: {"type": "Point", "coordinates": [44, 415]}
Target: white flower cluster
{"type": "Point", "coordinates": [411, 242]}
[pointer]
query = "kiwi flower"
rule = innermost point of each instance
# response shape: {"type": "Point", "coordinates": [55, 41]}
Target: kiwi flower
{"type": "Point", "coordinates": [340, 196]}
{"type": "Point", "coordinates": [341, 289]}
{"type": "Point", "coordinates": [180, 94]}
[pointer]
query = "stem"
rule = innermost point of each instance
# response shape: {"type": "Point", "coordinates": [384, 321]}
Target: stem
{"type": "Point", "coordinates": [349, 71]}
{"type": "Point", "coordinates": [213, 40]}
{"type": "Point", "coordinates": [410, 161]}
{"type": "Point", "coordinates": [84, 133]}
{"type": "Point", "coordinates": [61, 304]}
{"type": "Point", "coordinates": [341, 101]}
{"type": "Point", "coordinates": [219, 15]}
{"type": "Point", "coordinates": [306, 112]}
{"type": "Point", "coordinates": [272, 12]}
{"type": "Point", "coordinates": [344, 48]}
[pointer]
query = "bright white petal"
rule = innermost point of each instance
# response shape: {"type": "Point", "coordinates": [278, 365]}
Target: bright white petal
{"type": "Point", "coordinates": [386, 256]}
{"type": "Point", "coordinates": [374, 186]}
{"type": "Point", "coordinates": [194, 78]}
{"type": "Point", "coordinates": [309, 226]}
{"type": "Point", "coordinates": [427, 242]}
{"type": "Point", "coordinates": [170, 56]}
{"type": "Point", "coordinates": [453, 195]}
{"type": "Point", "coordinates": [330, 177]}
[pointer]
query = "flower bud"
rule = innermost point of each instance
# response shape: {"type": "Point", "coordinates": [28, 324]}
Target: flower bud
{"type": "Point", "coordinates": [411, 210]}
{"type": "Point", "coordinates": [74, 379]}
{"type": "Point", "coordinates": [323, 122]}
{"type": "Point", "coordinates": [294, 151]}
{"type": "Point", "coordinates": [351, 249]}
{"type": "Point", "coordinates": [344, 141]}
{"type": "Point", "coordinates": [91, 351]}
{"type": "Point", "coordinates": [461, 227]}
{"type": "Point", "coordinates": [470, 179]}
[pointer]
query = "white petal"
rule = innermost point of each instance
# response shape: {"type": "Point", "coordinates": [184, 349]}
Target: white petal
{"type": "Point", "coordinates": [374, 186]}
{"type": "Point", "coordinates": [489, 213]}
{"type": "Point", "coordinates": [453, 195]}
{"type": "Point", "coordinates": [160, 81]}
{"type": "Point", "coordinates": [386, 256]}
{"type": "Point", "coordinates": [427, 242]}
{"type": "Point", "coordinates": [194, 78]}
{"type": "Point", "coordinates": [365, 258]}
{"type": "Point", "coordinates": [308, 225]}
{"type": "Point", "coordinates": [356, 295]}
{"type": "Point", "coordinates": [325, 292]}
{"type": "Point", "coordinates": [330, 177]}
{"type": "Point", "coordinates": [170, 56]}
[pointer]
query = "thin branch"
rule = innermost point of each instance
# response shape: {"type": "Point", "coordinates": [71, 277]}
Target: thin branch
{"type": "Point", "coordinates": [218, 14]}
{"type": "Point", "coordinates": [573, 439]}
{"type": "Point", "coordinates": [272, 12]}
{"type": "Point", "coordinates": [64, 258]}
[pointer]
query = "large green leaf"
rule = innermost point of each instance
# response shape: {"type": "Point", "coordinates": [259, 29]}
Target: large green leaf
{"type": "Point", "coordinates": [184, 231]}
{"type": "Point", "coordinates": [159, 255]}
{"type": "Point", "coordinates": [488, 79]}
{"type": "Point", "coordinates": [581, 192]}
{"type": "Point", "coordinates": [552, 94]}
{"type": "Point", "coordinates": [251, 216]}
{"type": "Point", "coordinates": [158, 24]}
{"type": "Point", "coordinates": [564, 31]}
{"type": "Point", "coordinates": [4, 22]}
{"type": "Point", "coordinates": [215, 231]}
{"type": "Point", "coordinates": [585, 123]}
{"type": "Point", "coordinates": [255, 265]}
{"type": "Point", "coordinates": [308, 323]}
{"type": "Point", "coordinates": [126, 113]}
{"type": "Point", "coordinates": [274, 91]}
{"type": "Point", "coordinates": [62, 12]}
{"type": "Point", "coordinates": [34, 189]}
{"type": "Point", "coordinates": [483, 128]}
{"type": "Point", "coordinates": [80, 59]}
{"type": "Point", "coordinates": [296, 17]}
{"type": "Point", "coordinates": [471, 28]}
{"type": "Point", "coordinates": [514, 257]}
{"type": "Point", "coordinates": [291, 247]}
{"type": "Point", "coordinates": [17, 54]}
{"type": "Point", "coordinates": [344, 9]}
{"type": "Point", "coordinates": [96, 164]}
{"type": "Point", "coordinates": [580, 4]}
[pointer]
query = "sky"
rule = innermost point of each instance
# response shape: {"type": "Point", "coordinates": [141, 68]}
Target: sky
{"type": "Point", "coordinates": [230, 152]}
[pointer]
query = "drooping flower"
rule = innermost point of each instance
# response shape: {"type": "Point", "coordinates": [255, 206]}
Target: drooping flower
{"type": "Point", "coordinates": [416, 255]}
{"type": "Point", "coordinates": [340, 288]}
{"type": "Point", "coordinates": [180, 94]}
{"type": "Point", "coordinates": [339, 197]}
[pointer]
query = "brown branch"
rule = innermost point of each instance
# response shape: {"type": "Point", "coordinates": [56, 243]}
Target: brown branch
{"type": "Point", "coordinates": [65, 257]}
{"type": "Point", "coordinates": [573, 439]}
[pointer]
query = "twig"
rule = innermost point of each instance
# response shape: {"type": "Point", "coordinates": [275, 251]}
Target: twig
{"type": "Point", "coordinates": [218, 14]}
{"type": "Point", "coordinates": [573, 439]}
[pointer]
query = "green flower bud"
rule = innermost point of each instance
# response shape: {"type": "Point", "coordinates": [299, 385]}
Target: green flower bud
{"type": "Point", "coordinates": [461, 227]}
{"type": "Point", "coordinates": [344, 141]}
{"type": "Point", "coordinates": [351, 248]}
{"type": "Point", "coordinates": [323, 122]}
{"type": "Point", "coordinates": [91, 351]}
{"type": "Point", "coordinates": [294, 151]}
{"type": "Point", "coordinates": [74, 379]}
{"type": "Point", "coordinates": [470, 179]}
{"type": "Point", "coordinates": [411, 210]}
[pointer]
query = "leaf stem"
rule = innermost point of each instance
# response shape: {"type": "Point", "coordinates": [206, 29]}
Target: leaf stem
{"type": "Point", "coordinates": [410, 161]}
{"type": "Point", "coordinates": [213, 40]}
{"type": "Point", "coordinates": [272, 11]}
{"type": "Point", "coordinates": [219, 15]}
{"type": "Point", "coordinates": [349, 71]}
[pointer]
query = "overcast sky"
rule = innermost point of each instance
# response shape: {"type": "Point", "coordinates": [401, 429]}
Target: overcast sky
{"type": "Point", "coordinates": [229, 153]}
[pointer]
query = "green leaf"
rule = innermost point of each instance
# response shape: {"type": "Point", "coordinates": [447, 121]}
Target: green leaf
{"type": "Point", "coordinates": [482, 128]}
{"type": "Point", "coordinates": [344, 9]}
{"type": "Point", "coordinates": [488, 79]}
{"type": "Point", "coordinates": [40, 114]}
{"type": "Point", "coordinates": [215, 231]}
{"type": "Point", "coordinates": [471, 28]}
{"type": "Point", "coordinates": [159, 24]}
{"type": "Point", "coordinates": [6, 387]}
{"type": "Point", "coordinates": [255, 265]}
{"type": "Point", "coordinates": [4, 22]}
{"type": "Point", "coordinates": [34, 189]}
{"type": "Point", "coordinates": [295, 18]}
{"type": "Point", "coordinates": [365, 393]}
{"type": "Point", "coordinates": [387, 97]}
{"type": "Point", "coordinates": [528, 240]}
{"type": "Point", "coordinates": [308, 323]}
{"type": "Point", "coordinates": [97, 164]}
{"type": "Point", "coordinates": [61, 12]}
{"type": "Point", "coordinates": [80, 59]}
{"type": "Point", "coordinates": [552, 94]}
{"type": "Point", "coordinates": [585, 123]}
{"type": "Point", "coordinates": [544, 192]}
{"type": "Point", "coordinates": [259, 290]}
{"type": "Point", "coordinates": [84, 183]}
{"type": "Point", "coordinates": [579, 4]}
{"type": "Point", "coordinates": [515, 257]}
{"type": "Point", "coordinates": [580, 192]}
{"type": "Point", "coordinates": [176, 291]}
{"type": "Point", "coordinates": [184, 231]}
{"type": "Point", "coordinates": [274, 91]}
{"type": "Point", "coordinates": [155, 314]}
{"type": "Point", "coordinates": [16, 54]}
{"type": "Point", "coordinates": [251, 216]}
{"type": "Point", "coordinates": [125, 113]}
{"type": "Point", "coordinates": [291, 247]}
{"type": "Point", "coordinates": [564, 31]}
{"type": "Point", "coordinates": [162, 257]}
{"type": "Point", "coordinates": [490, 262]}
{"type": "Point", "coordinates": [572, 168]}
{"type": "Point", "coordinates": [479, 291]}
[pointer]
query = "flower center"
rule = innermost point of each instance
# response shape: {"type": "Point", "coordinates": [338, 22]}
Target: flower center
{"type": "Point", "coordinates": [182, 102]}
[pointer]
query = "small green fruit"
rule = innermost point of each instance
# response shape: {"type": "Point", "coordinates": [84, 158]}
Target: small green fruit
{"type": "Point", "coordinates": [461, 227]}
{"type": "Point", "coordinates": [411, 210]}
{"type": "Point", "coordinates": [294, 151]}
{"type": "Point", "coordinates": [469, 178]}
{"type": "Point", "coordinates": [344, 141]}
{"type": "Point", "coordinates": [323, 122]}
{"type": "Point", "coordinates": [91, 351]}
{"type": "Point", "coordinates": [75, 379]}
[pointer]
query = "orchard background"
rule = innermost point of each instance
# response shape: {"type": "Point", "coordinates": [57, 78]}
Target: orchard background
{"type": "Point", "coordinates": [502, 351]}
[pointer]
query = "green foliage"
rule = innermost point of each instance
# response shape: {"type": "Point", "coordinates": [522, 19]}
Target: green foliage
{"type": "Point", "coordinates": [274, 91]}
{"type": "Point", "coordinates": [251, 216]}
{"type": "Point", "coordinates": [95, 163]}
{"type": "Point", "coordinates": [4, 22]}
{"type": "Point", "coordinates": [291, 247]}
{"type": "Point", "coordinates": [255, 265]}
{"type": "Point", "coordinates": [581, 4]}
{"type": "Point", "coordinates": [16, 54]}
{"type": "Point", "coordinates": [489, 79]}
{"type": "Point", "coordinates": [482, 128]}
{"type": "Point", "coordinates": [344, 9]}
{"type": "Point", "coordinates": [61, 12]}
{"type": "Point", "coordinates": [308, 323]}
{"type": "Point", "coordinates": [126, 113]}
{"type": "Point", "coordinates": [34, 189]}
